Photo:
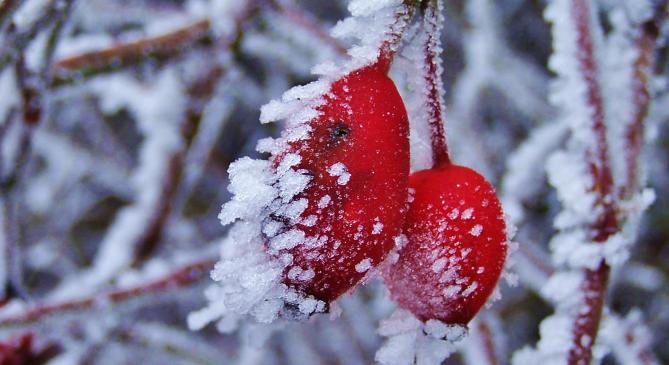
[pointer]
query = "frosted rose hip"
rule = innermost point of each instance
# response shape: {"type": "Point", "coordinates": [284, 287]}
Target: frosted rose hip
{"type": "Point", "coordinates": [456, 246]}
{"type": "Point", "coordinates": [357, 156]}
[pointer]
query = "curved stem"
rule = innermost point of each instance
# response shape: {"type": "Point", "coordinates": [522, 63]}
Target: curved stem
{"type": "Point", "coordinates": [389, 47]}
{"type": "Point", "coordinates": [435, 98]}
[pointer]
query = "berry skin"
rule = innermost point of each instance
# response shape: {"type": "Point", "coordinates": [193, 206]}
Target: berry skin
{"type": "Point", "coordinates": [357, 156]}
{"type": "Point", "coordinates": [456, 246]}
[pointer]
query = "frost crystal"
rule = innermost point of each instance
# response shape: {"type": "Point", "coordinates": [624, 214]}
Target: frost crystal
{"type": "Point", "coordinates": [339, 170]}
{"type": "Point", "coordinates": [411, 341]}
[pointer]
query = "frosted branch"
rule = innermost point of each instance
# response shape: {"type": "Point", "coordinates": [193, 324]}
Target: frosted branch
{"type": "Point", "coordinates": [21, 315]}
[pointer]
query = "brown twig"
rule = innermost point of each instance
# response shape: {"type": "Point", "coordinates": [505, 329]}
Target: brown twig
{"type": "Point", "coordinates": [184, 276]}
{"type": "Point", "coordinates": [124, 54]}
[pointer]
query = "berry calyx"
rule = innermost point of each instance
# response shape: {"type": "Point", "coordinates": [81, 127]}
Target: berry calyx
{"type": "Point", "coordinates": [357, 157]}
{"type": "Point", "coordinates": [456, 246]}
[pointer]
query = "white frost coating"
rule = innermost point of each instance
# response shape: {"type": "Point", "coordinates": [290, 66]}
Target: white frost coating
{"type": "Point", "coordinates": [29, 12]}
{"type": "Point", "coordinates": [287, 240]}
{"type": "Point", "coordinates": [248, 282]}
{"type": "Point", "coordinates": [158, 109]}
{"type": "Point", "coordinates": [324, 201]}
{"type": "Point", "coordinates": [521, 180]}
{"type": "Point", "coordinates": [363, 265]}
{"type": "Point", "coordinates": [556, 334]}
{"type": "Point", "coordinates": [470, 289]}
{"type": "Point", "coordinates": [454, 213]}
{"type": "Point", "coordinates": [639, 11]}
{"type": "Point", "coordinates": [253, 255]}
{"type": "Point", "coordinates": [339, 170]}
{"type": "Point", "coordinates": [439, 265]}
{"type": "Point", "coordinates": [250, 182]}
{"type": "Point", "coordinates": [476, 230]}
{"type": "Point", "coordinates": [9, 92]}
{"type": "Point", "coordinates": [568, 173]}
{"type": "Point", "coordinates": [412, 67]}
{"type": "Point", "coordinates": [223, 16]}
{"type": "Point", "coordinates": [618, 86]}
{"type": "Point", "coordinates": [370, 7]}
{"type": "Point", "coordinates": [628, 338]}
{"type": "Point", "coordinates": [569, 90]}
{"type": "Point", "coordinates": [377, 228]}
{"type": "Point", "coordinates": [412, 342]}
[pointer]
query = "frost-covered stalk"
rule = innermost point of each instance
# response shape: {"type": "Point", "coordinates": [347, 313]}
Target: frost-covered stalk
{"type": "Point", "coordinates": [485, 343]}
{"type": "Point", "coordinates": [595, 233]}
{"type": "Point", "coordinates": [629, 339]}
{"type": "Point", "coordinates": [181, 277]}
{"type": "Point", "coordinates": [645, 43]}
{"type": "Point", "coordinates": [433, 24]}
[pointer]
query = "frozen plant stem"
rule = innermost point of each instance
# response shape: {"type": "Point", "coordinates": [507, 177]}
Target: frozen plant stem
{"type": "Point", "coordinates": [121, 55]}
{"type": "Point", "coordinates": [181, 277]}
{"type": "Point", "coordinates": [435, 97]}
{"type": "Point", "coordinates": [586, 323]}
{"type": "Point", "coordinates": [645, 43]}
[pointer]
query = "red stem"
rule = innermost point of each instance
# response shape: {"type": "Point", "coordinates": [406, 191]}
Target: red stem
{"type": "Point", "coordinates": [586, 323]}
{"type": "Point", "coordinates": [181, 277]}
{"type": "Point", "coordinates": [435, 100]}
{"type": "Point", "coordinates": [487, 338]}
{"type": "Point", "coordinates": [389, 47]}
{"type": "Point", "coordinates": [643, 68]}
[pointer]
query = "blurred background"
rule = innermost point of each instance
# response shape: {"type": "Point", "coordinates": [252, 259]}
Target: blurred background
{"type": "Point", "coordinates": [118, 119]}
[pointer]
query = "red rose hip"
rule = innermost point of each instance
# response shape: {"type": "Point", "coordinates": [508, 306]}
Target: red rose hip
{"type": "Point", "coordinates": [357, 157]}
{"type": "Point", "coordinates": [456, 246]}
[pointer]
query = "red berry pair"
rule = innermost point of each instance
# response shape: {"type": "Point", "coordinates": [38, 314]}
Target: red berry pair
{"type": "Point", "coordinates": [455, 229]}
{"type": "Point", "coordinates": [353, 210]}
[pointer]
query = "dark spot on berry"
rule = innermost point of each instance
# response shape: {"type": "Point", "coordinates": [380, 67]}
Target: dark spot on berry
{"type": "Point", "coordinates": [339, 131]}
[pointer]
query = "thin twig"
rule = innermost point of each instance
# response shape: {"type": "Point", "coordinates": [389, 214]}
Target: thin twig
{"type": "Point", "coordinates": [181, 277]}
{"type": "Point", "coordinates": [116, 57]}
{"type": "Point", "coordinates": [488, 342]}
{"type": "Point", "coordinates": [645, 43]}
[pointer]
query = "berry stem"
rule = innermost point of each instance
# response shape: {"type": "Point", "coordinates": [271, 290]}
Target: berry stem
{"type": "Point", "coordinates": [435, 98]}
{"type": "Point", "coordinates": [389, 47]}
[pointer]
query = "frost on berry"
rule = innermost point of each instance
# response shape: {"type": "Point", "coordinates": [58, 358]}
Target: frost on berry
{"type": "Point", "coordinates": [456, 246]}
{"type": "Point", "coordinates": [314, 219]}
